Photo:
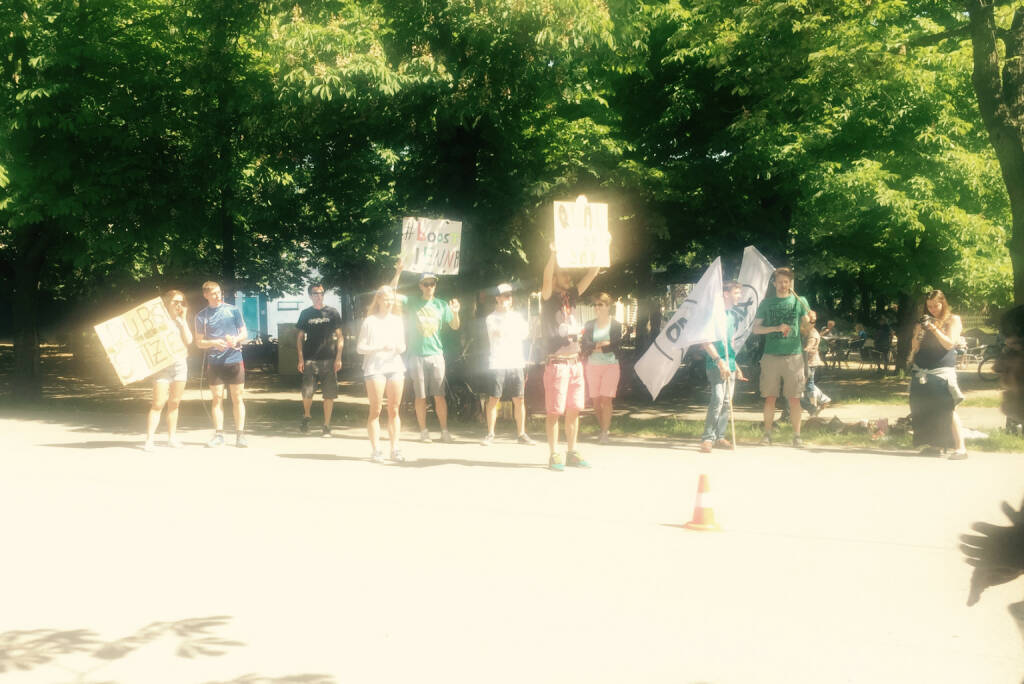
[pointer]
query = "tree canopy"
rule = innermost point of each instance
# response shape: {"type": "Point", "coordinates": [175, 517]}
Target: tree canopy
{"type": "Point", "coordinates": [149, 143]}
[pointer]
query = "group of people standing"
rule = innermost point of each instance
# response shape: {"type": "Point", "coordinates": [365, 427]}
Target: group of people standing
{"type": "Point", "coordinates": [403, 335]}
{"type": "Point", "coordinates": [219, 332]}
{"type": "Point", "coordinates": [399, 336]}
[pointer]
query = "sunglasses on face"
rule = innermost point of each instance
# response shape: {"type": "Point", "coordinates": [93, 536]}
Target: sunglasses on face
{"type": "Point", "coordinates": [179, 302]}
{"type": "Point", "coordinates": [601, 304]}
{"type": "Point", "coordinates": [429, 284]}
{"type": "Point", "coordinates": [318, 294]}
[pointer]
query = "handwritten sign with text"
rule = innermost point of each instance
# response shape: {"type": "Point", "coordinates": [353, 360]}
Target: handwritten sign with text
{"type": "Point", "coordinates": [582, 239]}
{"type": "Point", "coordinates": [141, 341]}
{"type": "Point", "coordinates": [431, 245]}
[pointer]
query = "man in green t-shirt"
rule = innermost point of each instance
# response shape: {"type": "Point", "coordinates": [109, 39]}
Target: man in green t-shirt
{"type": "Point", "coordinates": [778, 318]}
{"type": "Point", "coordinates": [425, 316]}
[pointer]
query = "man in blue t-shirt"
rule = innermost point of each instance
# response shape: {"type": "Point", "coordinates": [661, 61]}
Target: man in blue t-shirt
{"type": "Point", "coordinates": [220, 331]}
{"type": "Point", "coordinates": [722, 374]}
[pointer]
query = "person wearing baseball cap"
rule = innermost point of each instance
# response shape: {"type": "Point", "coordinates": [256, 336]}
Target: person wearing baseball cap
{"type": "Point", "coordinates": [426, 315]}
{"type": "Point", "coordinates": [507, 332]}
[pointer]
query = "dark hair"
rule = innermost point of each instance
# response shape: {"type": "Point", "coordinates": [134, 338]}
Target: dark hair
{"type": "Point", "coordinates": [730, 285]}
{"type": "Point", "coordinates": [946, 311]}
{"type": "Point", "coordinates": [603, 297]}
{"type": "Point", "coordinates": [784, 272]}
{"type": "Point", "coordinates": [171, 294]}
{"type": "Point", "coordinates": [1012, 322]}
{"type": "Point", "coordinates": [309, 290]}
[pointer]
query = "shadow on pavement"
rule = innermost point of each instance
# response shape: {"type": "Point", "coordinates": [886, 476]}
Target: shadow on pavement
{"type": "Point", "coordinates": [99, 444]}
{"type": "Point", "coordinates": [431, 462]}
{"type": "Point", "coordinates": [23, 650]}
{"type": "Point", "coordinates": [325, 457]}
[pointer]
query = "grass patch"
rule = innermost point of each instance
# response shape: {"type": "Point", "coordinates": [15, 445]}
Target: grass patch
{"type": "Point", "coordinates": [983, 401]}
{"type": "Point", "coordinates": [998, 440]}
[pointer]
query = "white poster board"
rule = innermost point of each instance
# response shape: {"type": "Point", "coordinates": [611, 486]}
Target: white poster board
{"type": "Point", "coordinates": [141, 341]}
{"type": "Point", "coordinates": [431, 245]}
{"type": "Point", "coordinates": [582, 239]}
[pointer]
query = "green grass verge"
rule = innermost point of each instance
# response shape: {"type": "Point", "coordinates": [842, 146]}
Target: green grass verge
{"type": "Point", "coordinates": [749, 432]}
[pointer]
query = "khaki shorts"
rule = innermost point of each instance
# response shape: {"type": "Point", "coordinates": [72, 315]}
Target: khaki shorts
{"type": "Point", "coordinates": [787, 371]}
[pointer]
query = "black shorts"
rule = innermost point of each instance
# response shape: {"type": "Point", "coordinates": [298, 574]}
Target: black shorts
{"type": "Point", "coordinates": [225, 373]}
{"type": "Point", "coordinates": [322, 371]}
{"type": "Point", "coordinates": [507, 383]}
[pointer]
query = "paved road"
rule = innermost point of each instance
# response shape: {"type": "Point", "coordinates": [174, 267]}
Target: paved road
{"type": "Point", "coordinates": [472, 564]}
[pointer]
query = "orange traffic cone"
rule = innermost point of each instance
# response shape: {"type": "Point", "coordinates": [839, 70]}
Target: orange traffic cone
{"type": "Point", "coordinates": [703, 513]}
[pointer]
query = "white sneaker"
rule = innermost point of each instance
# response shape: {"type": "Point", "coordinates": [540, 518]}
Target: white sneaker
{"type": "Point", "coordinates": [148, 445]}
{"type": "Point", "coordinates": [175, 443]}
{"type": "Point", "coordinates": [487, 441]}
{"type": "Point", "coordinates": [377, 456]}
{"type": "Point", "coordinates": [425, 437]}
{"type": "Point", "coordinates": [447, 438]}
{"type": "Point", "coordinates": [397, 456]}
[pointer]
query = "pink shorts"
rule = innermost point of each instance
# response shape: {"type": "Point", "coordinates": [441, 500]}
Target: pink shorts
{"type": "Point", "coordinates": [563, 387]}
{"type": "Point", "coordinates": [602, 379]}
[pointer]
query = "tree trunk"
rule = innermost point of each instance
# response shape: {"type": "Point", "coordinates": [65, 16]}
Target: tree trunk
{"type": "Point", "coordinates": [1001, 103]}
{"type": "Point", "coordinates": [28, 379]}
{"type": "Point", "coordinates": [904, 329]}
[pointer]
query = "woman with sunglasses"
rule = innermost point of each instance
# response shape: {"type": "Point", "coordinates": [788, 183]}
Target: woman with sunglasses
{"type": "Point", "coordinates": [169, 383]}
{"type": "Point", "coordinates": [602, 342]}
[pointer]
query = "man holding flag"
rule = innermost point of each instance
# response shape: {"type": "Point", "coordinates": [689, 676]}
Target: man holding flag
{"type": "Point", "coordinates": [779, 319]}
{"type": "Point", "coordinates": [700, 319]}
{"type": "Point", "coordinates": [722, 374]}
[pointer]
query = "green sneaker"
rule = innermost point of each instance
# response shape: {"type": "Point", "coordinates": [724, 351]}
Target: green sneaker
{"type": "Point", "coordinates": [556, 462]}
{"type": "Point", "coordinates": [573, 458]}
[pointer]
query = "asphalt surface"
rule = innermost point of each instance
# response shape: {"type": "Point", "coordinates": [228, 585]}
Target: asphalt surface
{"type": "Point", "coordinates": [472, 564]}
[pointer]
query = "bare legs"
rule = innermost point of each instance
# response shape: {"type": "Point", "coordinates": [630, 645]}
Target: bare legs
{"type": "Point", "coordinates": [572, 428]}
{"type": "Point", "coordinates": [237, 406]}
{"type": "Point", "coordinates": [375, 393]}
{"type": "Point", "coordinates": [377, 389]}
{"type": "Point", "coordinates": [491, 412]}
{"type": "Point", "coordinates": [603, 413]}
{"type": "Point", "coordinates": [440, 408]}
{"type": "Point", "coordinates": [794, 414]}
{"type": "Point", "coordinates": [307, 404]}
{"type": "Point", "coordinates": [394, 396]}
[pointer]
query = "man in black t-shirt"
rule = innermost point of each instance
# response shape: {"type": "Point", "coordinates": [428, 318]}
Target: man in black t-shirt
{"type": "Point", "coordinates": [320, 342]}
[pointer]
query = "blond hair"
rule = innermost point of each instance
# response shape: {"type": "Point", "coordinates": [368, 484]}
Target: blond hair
{"type": "Point", "coordinates": [375, 305]}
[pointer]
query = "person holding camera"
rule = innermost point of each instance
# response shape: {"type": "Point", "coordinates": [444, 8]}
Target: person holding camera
{"type": "Point", "coordinates": [934, 390]}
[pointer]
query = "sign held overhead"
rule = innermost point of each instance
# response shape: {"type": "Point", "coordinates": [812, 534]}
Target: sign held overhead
{"type": "Point", "coordinates": [582, 239]}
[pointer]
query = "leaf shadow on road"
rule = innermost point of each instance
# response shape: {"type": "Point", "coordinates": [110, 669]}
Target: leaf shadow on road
{"type": "Point", "coordinates": [191, 638]}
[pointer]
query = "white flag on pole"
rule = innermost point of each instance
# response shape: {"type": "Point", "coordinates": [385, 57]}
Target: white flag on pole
{"type": "Point", "coordinates": [755, 274]}
{"type": "Point", "coordinates": [700, 319]}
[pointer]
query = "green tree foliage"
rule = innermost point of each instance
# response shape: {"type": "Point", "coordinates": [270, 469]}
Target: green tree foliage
{"type": "Point", "coordinates": [811, 130]}
{"type": "Point", "coordinates": [146, 143]}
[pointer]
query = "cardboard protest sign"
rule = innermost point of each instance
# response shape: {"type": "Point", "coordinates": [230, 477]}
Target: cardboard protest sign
{"type": "Point", "coordinates": [141, 341]}
{"type": "Point", "coordinates": [431, 245]}
{"type": "Point", "coordinates": [582, 239]}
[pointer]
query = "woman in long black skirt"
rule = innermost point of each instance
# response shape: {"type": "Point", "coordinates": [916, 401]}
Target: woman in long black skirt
{"type": "Point", "coordinates": [934, 391]}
